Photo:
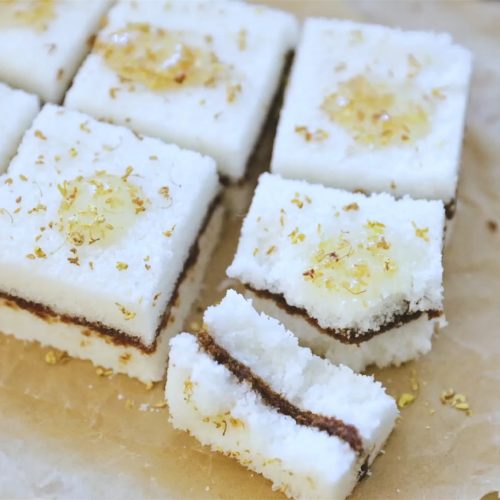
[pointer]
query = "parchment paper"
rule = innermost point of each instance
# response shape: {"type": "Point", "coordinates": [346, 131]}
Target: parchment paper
{"type": "Point", "coordinates": [66, 432]}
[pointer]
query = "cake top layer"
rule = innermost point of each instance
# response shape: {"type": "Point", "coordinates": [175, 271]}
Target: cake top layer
{"type": "Point", "coordinates": [97, 222]}
{"type": "Point", "coordinates": [305, 380]}
{"type": "Point", "coordinates": [205, 70]}
{"type": "Point", "coordinates": [42, 42]}
{"type": "Point", "coordinates": [369, 105]}
{"type": "Point", "coordinates": [17, 110]}
{"type": "Point", "coordinates": [349, 261]}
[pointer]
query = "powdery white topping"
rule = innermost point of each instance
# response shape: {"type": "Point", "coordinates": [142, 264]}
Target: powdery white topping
{"type": "Point", "coordinates": [222, 116]}
{"type": "Point", "coordinates": [349, 260]}
{"type": "Point", "coordinates": [126, 279]}
{"type": "Point", "coordinates": [17, 110]}
{"type": "Point", "coordinates": [311, 383]}
{"type": "Point", "coordinates": [40, 50]}
{"type": "Point", "coordinates": [419, 69]}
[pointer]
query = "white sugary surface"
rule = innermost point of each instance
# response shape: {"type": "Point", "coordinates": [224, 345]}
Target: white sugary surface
{"type": "Point", "coordinates": [291, 224]}
{"type": "Point", "coordinates": [83, 147]}
{"type": "Point", "coordinates": [85, 343]}
{"type": "Point", "coordinates": [17, 110]}
{"type": "Point", "coordinates": [393, 347]}
{"type": "Point", "coordinates": [32, 59]}
{"type": "Point", "coordinates": [334, 51]}
{"type": "Point", "coordinates": [197, 117]}
{"type": "Point", "coordinates": [302, 462]}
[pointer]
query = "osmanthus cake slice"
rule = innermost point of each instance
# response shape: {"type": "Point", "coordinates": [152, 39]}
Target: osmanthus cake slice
{"type": "Point", "coordinates": [358, 278]}
{"type": "Point", "coordinates": [17, 111]}
{"type": "Point", "coordinates": [246, 388]}
{"type": "Point", "coordinates": [206, 72]}
{"type": "Point", "coordinates": [42, 42]}
{"type": "Point", "coordinates": [376, 109]}
{"type": "Point", "coordinates": [105, 238]}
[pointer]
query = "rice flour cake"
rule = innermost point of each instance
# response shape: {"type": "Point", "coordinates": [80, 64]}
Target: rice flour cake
{"type": "Point", "coordinates": [206, 72]}
{"type": "Point", "coordinates": [105, 238]}
{"type": "Point", "coordinates": [244, 387]}
{"type": "Point", "coordinates": [358, 278]}
{"type": "Point", "coordinates": [42, 42]}
{"type": "Point", "coordinates": [17, 110]}
{"type": "Point", "coordinates": [375, 109]}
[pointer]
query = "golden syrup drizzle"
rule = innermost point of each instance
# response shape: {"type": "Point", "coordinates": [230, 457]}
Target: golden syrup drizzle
{"type": "Point", "coordinates": [35, 14]}
{"type": "Point", "coordinates": [342, 264]}
{"type": "Point", "coordinates": [378, 114]}
{"type": "Point", "coordinates": [99, 209]}
{"type": "Point", "coordinates": [159, 59]}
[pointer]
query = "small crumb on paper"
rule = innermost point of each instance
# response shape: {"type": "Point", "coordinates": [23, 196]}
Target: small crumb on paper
{"type": "Point", "coordinates": [56, 357]}
{"type": "Point", "coordinates": [103, 372]}
{"type": "Point", "coordinates": [406, 399]}
{"type": "Point", "coordinates": [456, 400]}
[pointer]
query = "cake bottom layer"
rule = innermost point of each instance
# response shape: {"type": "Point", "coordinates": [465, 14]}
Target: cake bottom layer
{"type": "Point", "coordinates": [393, 347]}
{"type": "Point", "coordinates": [209, 402]}
{"type": "Point", "coordinates": [147, 365]}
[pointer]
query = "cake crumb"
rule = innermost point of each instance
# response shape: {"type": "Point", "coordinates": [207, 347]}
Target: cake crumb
{"type": "Point", "coordinates": [160, 405]}
{"type": "Point", "coordinates": [406, 399]}
{"type": "Point", "coordinates": [456, 400]}
{"type": "Point", "coordinates": [56, 357]}
{"type": "Point", "coordinates": [149, 385]}
{"type": "Point", "coordinates": [103, 372]}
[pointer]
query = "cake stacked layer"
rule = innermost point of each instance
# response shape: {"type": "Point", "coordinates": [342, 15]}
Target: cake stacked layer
{"type": "Point", "coordinates": [359, 279]}
{"type": "Point", "coordinates": [245, 387]}
{"type": "Point", "coordinates": [375, 109]}
{"type": "Point", "coordinates": [206, 72]}
{"type": "Point", "coordinates": [17, 110]}
{"type": "Point", "coordinates": [105, 236]}
{"type": "Point", "coordinates": [43, 42]}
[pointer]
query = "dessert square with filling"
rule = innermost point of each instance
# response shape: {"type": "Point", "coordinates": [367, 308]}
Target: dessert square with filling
{"type": "Point", "coordinates": [17, 111]}
{"type": "Point", "coordinates": [358, 278]}
{"type": "Point", "coordinates": [375, 109]}
{"type": "Point", "coordinates": [42, 42]}
{"type": "Point", "coordinates": [198, 74]}
{"type": "Point", "coordinates": [105, 235]}
{"type": "Point", "coordinates": [246, 388]}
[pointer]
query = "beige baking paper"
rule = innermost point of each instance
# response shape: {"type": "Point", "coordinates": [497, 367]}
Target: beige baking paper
{"type": "Point", "coordinates": [66, 432]}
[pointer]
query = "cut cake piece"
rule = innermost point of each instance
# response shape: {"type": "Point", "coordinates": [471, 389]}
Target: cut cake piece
{"type": "Point", "coordinates": [375, 109]}
{"type": "Point", "coordinates": [42, 42]}
{"type": "Point", "coordinates": [246, 388]}
{"type": "Point", "coordinates": [358, 278]}
{"type": "Point", "coordinates": [205, 71]}
{"type": "Point", "coordinates": [17, 110]}
{"type": "Point", "coordinates": [105, 237]}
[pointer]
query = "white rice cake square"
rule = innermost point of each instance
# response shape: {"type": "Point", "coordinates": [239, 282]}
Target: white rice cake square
{"type": "Point", "coordinates": [206, 72]}
{"type": "Point", "coordinates": [348, 268]}
{"type": "Point", "coordinates": [375, 109]}
{"type": "Point", "coordinates": [245, 388]}
{"type": "Point", "coordinates": [42, 42]}
{"type": "Point", "coordinates": [17, 110]}
{"type": "Point", "coordinates": [98, 226]}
